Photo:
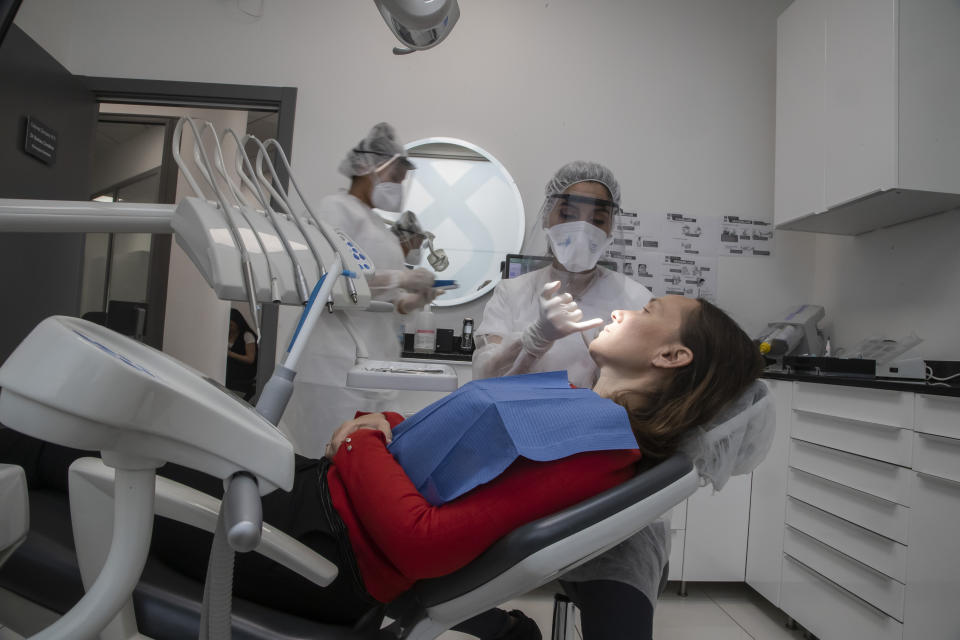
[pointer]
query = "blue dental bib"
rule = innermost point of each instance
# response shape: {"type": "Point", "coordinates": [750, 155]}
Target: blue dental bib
{"type": "Point", "coordinates": [472, 435]}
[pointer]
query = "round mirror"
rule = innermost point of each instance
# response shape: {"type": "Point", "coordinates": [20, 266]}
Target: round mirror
{"type": "Point", "coordinates": [466, 198]}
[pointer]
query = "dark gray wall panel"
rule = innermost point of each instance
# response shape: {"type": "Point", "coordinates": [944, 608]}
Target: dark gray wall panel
{"type": "Point", "coordinates": [40, 273]}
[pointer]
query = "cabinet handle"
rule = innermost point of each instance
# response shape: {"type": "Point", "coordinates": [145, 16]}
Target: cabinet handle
{"type": "Point", "coordinates": [864, 423]}
{"type": "Point", "coordinates": [843, 486]}
{"type": "Point", "coordinates": [932, 478]}
{"type": "Point", "coordinates": [830, 583]}
{"type": "Point", "coordinates": [941, 439]}
{"type": "Point", "coordinates": [829, 547]}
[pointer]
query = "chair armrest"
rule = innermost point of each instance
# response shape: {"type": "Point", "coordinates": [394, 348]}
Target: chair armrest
{"type": "Point", "coordinates": [184, 504]}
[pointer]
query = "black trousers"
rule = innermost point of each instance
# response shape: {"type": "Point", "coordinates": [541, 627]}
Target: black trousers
{"type": "Point", "coordinates": [611, 610]}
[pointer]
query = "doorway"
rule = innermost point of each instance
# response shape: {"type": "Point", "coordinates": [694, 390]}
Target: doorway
{"type": "Point", "coordinates": [134, 278]}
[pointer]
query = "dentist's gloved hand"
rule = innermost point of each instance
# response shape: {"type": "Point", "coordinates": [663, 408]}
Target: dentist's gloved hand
{"type": "Point", "coordinates": [559, 317]}
{"type": "Point", "coordinates": [410, 302]}
{"type": "Point", "coordinates": [416, 280]}
{"type": "Point", "coordinates": [387, 281]}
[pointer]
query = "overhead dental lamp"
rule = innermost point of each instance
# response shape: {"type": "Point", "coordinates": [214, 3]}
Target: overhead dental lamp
{"type": "Point", "coordinates": [419, 24]}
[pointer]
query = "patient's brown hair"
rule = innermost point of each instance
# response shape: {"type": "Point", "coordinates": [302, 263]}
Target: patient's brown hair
{"type": "Point", "coordinates": [725, 362]}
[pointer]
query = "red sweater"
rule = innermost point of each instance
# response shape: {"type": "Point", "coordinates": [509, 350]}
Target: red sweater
{"type": "Point", "coordinates": [398, 537]}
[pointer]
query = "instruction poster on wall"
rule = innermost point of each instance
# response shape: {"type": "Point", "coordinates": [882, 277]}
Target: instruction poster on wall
{"type": "Point", "coordinates": [745, 237]}
{"type": "Point", "coordinates": [690, 276]}
{"type": "Point", "coordinates": [688, 235]}
{"type": "Point", "coordinates": [678, 253]}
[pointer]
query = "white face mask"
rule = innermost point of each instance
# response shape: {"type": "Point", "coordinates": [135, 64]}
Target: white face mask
{"type": "Point", "coordinates": [387, 196]}
{"type": "Point", "coordinates": [414, 257]}
{"type": "Point", "coordinates": [578, 245]}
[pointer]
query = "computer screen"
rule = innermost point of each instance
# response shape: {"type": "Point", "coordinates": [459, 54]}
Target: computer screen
{"type": "Point", "coordinates": [517, 264]}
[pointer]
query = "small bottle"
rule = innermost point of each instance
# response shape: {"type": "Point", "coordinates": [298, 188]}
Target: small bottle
{"type": "Point", "coordinates": [425, 339]}
{"type": "Point", "coordinates": [466, 336]}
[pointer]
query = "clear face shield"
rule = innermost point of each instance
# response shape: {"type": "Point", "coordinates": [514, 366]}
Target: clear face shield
{"type": "Point", "coordinates": [576, 229]}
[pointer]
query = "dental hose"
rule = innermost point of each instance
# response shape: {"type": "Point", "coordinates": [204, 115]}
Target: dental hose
{"type": "Point", "coordinates": [215, 618]}
{"type": "Point", "coordinates": [215, 614]}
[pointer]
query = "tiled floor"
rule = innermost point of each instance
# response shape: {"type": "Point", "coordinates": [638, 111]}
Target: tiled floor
{"type": "Point", "coordinates": [714, 611]}
{"type": "Point", "coordinates": [718, 611]}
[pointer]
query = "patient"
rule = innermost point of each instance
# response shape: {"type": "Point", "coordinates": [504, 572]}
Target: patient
{"type": "Point", "coordinates": [673, 365]}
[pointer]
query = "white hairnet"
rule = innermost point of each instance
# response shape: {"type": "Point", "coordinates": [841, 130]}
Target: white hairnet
{"type": "Point", "coordinates": [378, 147]}
{"type": "Point", "coordinates": [735, 441]}
{"type": "Point", "coordinates": [583, 171]}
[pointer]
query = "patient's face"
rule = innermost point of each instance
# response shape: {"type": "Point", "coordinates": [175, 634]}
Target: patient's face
{"type": "Point", "coordinates": [633, 337]}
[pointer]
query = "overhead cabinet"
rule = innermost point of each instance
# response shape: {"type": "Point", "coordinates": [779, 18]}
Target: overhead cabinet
{"type": "Point", "coordinates": [867, 133]}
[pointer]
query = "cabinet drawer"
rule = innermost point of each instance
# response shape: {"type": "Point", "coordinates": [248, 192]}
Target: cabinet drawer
{"type": "Point", "coordinates": [939, 415]}
{"type": "Point", "coordinates": [870, 439]}
{"type": "Point", "coordinates": [676, 555]}
{"type": "Point", "coordinates": [889, 519]}
{"type": "Point", "coordinates": [883, 554]}
{"type": "Point", "coordinates": [884, 593]}
{"type": "Point", "coordinates": [892, 408]}
{"type": "Point", "coordinates": [937, 456]}
{"type": "Point", "coordinates": [828, 611]}
{"type": "Point", "coordinates": [880, 479]}
{"type": "Point", "coordinates": [931, 609]}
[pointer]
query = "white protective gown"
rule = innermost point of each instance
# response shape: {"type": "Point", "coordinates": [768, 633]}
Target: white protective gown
{"type": "Point", "coordinates": [321, 401]}
{"type": "Point", "coordinates": [639, 560]}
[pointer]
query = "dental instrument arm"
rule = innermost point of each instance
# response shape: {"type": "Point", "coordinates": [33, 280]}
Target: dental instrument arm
{"type": "Point", "coordinates": [300, 280]}
{"type": "Point", "coordinates": [247, 270]}
{"type": "Point", "coordinates": [282, 156]}
{"type": "Point", "coordinates": [282, 198]}
{"type": "Point", "coordinates": [240, 200]}
{"type": "Point", "coordinates": [244, 207]}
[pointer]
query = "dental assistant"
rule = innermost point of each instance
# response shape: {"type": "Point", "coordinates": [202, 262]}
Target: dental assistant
{"type": "Point", "coordinates": [376, 167]}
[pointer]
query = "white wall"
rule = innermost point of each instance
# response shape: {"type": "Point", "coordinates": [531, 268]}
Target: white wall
{"type": "Point", "coordinates": [676, 96]}
{"type": "Point", "coordinates": [892, 282]}
{"type": "Point", "coordinates": [127, 159]}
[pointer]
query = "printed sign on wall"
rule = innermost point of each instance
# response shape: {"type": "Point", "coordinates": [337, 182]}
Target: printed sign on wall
{"type": "Point", "coordinates": [40, 141]}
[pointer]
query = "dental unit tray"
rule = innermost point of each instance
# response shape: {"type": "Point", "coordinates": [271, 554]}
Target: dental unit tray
{"type": "Point", "coordinates": [406, 376]}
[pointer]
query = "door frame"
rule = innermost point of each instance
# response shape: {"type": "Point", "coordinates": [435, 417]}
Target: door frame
{"type": "Point", "coordinates": [209, 95]}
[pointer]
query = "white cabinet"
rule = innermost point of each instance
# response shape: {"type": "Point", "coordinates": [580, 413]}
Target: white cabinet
{"type": "Point", "coordinates": [860, 99]}
{"type": "Point", "coordinates": [847, 510]}
{"type": "Point", "coordinates": [798, 174]}
{"type": "Point", "coordinates": [933, 561]}
{"type": "Point", "coordinates": [869, 516]}
{"type": "Point", "coordinates": [715, 540]}
{"type": "Point", "coordinates": [933, 555]}
{"type": "Point", "coordinates": [767, 494]}
{"type": "Point", "coordinates": [864, 136]}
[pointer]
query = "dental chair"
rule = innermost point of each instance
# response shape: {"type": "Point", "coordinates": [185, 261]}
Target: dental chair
{"type": "Point", "coordinates": [80, 385]}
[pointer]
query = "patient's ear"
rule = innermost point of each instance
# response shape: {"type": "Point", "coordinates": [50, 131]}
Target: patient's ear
{"type": "Point", "coordinates": [673, 356]}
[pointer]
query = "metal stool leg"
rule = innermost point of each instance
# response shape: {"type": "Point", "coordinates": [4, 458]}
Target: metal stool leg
{"type": "Point", "coordinates": [564, 618]}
